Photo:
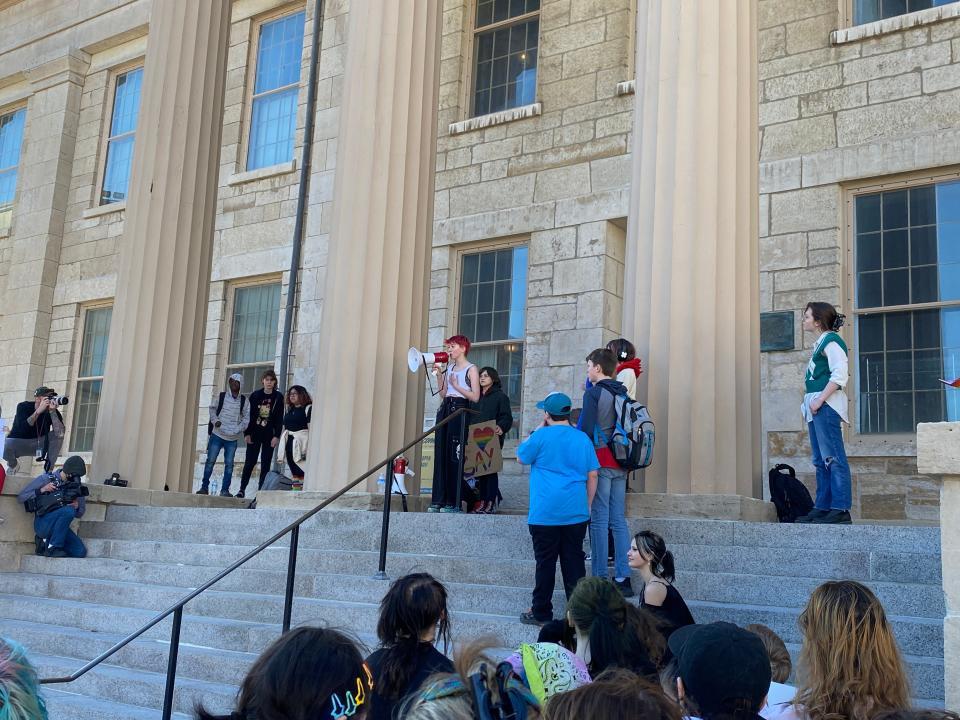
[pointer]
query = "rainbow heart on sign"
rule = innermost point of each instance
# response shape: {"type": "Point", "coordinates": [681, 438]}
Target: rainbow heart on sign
{"type": "Point", "coordinates": [482, 436]}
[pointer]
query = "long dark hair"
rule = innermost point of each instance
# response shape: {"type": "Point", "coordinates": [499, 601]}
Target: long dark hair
{"type": "Point", "coordinates": [303, 672]}
{"type": "Point", "coordinates": [302, 392]}
{"type": "Point", "coordinates": [661, 559]}
{"type": "Point", "coordinates": [413, 604]}
{"type": "Point", "coordinates": [620, 634]}
{"type": "Point", "coordinates": [494, 376]}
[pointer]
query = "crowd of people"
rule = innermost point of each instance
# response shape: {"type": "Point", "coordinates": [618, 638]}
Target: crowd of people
{"type": "Point", "coordinates": [610, 660]}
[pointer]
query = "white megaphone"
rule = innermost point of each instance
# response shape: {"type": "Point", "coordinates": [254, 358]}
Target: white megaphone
{"type": "Point", "coordinates": [417, 359]}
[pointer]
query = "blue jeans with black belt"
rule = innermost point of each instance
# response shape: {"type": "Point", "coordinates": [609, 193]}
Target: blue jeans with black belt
{"type": "Point", "coordinates": [830, 460]}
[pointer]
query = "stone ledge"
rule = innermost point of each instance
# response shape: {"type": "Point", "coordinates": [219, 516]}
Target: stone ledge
{"type": "Point", "coordinates": [895, 24]}
{"type": "Point", "coordinates": [261, 173]}
{"type": "Point", "coordinates": [497, 118]}
{"type": "Point", "coordinates": [938, 449]}
{"type": "Point", "coordinates": [627, 87]}
{"type": "Point", "coordinates": [107, 209]}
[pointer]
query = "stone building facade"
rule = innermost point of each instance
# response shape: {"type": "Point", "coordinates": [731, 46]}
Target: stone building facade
{"type": "Point", "coordinates": [531, 198]}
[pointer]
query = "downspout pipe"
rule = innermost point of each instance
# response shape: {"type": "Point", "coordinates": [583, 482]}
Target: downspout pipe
{"type": "Point", "coordinates": [301, 193]}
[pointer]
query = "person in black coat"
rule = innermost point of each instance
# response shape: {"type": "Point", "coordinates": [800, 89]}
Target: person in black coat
{"type": "Point", "coordinates": [492, 405]}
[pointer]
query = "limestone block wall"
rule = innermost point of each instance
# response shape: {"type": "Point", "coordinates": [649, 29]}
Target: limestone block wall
{"type": "Point", "coordinates": [834, 115]}
{"type": "Point", "coordinates": [555, 180]}
{"type": "Point", "coordinates": [61, 64]}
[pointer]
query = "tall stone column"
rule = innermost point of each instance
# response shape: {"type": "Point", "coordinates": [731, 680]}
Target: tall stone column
{"type": "Point", "coordinates": [938, 453]}
{"type": "Point", "coordinates": [375, 300]}
{"type": "Point", "coordinates": [691, 295]}
{"type": "Point", "coordinates": [148, 412]}
{"type": "Point", "coordinates": [43, 186]}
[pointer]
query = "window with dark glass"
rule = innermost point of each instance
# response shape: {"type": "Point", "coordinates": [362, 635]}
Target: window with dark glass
{"type": "Point", "coordinates": [907, 303]}
{"type": "Point", "coordinates": [253, 333]}
{"type": "Point", "coordinates": [93, 358]}
{"type": "Point", "coordinates": [11, 138]}
{"type": "Point", "coordinates": [493, 310]}
{"type": "Point", "coordinates": [273, 115]}
{"type": "Point", "coordinates": [123, 128]}
{"type": "Point", "coordinates": [506, 36]}
{"type": "Point", "coordinates": [865, 11]}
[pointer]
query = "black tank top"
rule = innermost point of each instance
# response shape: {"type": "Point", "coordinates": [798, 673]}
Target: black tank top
{"type": "Point", "coordinates": [674, 612]}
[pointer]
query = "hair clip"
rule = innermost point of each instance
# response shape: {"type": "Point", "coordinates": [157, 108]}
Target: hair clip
{"type": "Point", "coordinates": [349, 707]}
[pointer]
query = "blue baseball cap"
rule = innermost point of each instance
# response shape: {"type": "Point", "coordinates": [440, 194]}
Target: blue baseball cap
{"type": "Point", "coordinates": [556, 403]}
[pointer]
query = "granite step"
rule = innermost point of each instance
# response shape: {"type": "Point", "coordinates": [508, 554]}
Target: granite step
{"type": "Point", "coordinates": [69, 705]}
{"type": "Point", "coordinates": [473, 592]}
{"type": "Point", "coordinates": [122, 685]}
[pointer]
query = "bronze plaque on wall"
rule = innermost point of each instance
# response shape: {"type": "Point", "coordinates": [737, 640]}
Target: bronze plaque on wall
{"type": "Point", "coordinates": [777, 331]}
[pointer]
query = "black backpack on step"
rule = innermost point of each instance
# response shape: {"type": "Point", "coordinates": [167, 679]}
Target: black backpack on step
{"type": "Point", "coordinates": [789, 495]}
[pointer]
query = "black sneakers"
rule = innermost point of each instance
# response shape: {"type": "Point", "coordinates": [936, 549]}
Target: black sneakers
{"type": "Point", "coordinates": [203, 491]}
{"type": "Point", "coordinates": [834, 517]}
{"type": "Point", "coordinates": [811, 516]}
{"type": "Point", "coordinates": [41, 545]}
{"type": "Point", "coordinates": [56, 552]}
{"type": "Point", "coordinates": [825, 517]}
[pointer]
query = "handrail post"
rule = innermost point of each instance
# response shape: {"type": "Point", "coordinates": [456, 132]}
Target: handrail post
{"type": "Point", "coordinates": [463, 457]}
{"type": "Point", "coordinates": [385, 523]}
{"type": "Point", "coordinates": [291, 575]}
{"type": "Point", "coordinates": [172, 664]}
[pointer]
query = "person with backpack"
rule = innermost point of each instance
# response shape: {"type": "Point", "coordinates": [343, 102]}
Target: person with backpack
{"type": "Point", "coordinates": [824, 409]}
{"type": "Point", "coordinates": [229, 417]}
{"type": "Point", "coordinates": [598, 420]}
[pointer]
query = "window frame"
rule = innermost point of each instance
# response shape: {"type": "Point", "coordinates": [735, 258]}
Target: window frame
{"type": "Point", "coordinates": [4, 111]}
{"type": "Point", "coordinates": [250, 81]}
{"type": "Point", "coordinates": [80, 329]}
{"type": "Point", "coordinates": [229, 306]}
{"type": "Point", "coordinates": [469, 57]}
{"type": "Point", "coordinates": [851, 192]}
{"type": "Point", "coordinates": [106, 120]}
{"type": "Point", "coordinates": [454, 319]}
{"type": "Point", "coordinates": [846, 14]}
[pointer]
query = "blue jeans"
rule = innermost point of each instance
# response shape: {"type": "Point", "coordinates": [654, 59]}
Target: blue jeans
{"type": "Point", "coordinates": [229, 447]}
{"type": "Point", "coordinates": [54, 527]}
{"type": "Point", "coordinates": [830, 460]}
{"type": "Point", "coordinates": [609, 510]}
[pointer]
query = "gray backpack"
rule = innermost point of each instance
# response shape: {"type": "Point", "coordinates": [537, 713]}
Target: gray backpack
{"type": "Point", "coordinates": [633, 433]}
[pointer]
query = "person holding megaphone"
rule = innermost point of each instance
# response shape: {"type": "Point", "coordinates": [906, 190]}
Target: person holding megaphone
{"type": "Point", "coordinates": [459, 385]}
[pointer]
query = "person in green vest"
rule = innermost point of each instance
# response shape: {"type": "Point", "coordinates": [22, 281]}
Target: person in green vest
{"type": "Point", "coordinates": [824, 408]}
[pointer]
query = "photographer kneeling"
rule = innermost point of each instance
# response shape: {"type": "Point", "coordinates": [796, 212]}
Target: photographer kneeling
{"type": "Point", "coordinates": [57, 498]}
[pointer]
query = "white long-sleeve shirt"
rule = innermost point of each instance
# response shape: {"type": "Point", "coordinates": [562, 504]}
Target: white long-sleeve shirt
{"type": "Point", "coordinates": [839, 374]}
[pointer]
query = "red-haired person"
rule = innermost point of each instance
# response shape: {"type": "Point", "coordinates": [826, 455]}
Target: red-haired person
{"type": "Point", "coordinates": [459, 385]}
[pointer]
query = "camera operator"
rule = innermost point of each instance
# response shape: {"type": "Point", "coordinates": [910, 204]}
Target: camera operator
{"type": "Point", "coordinates": [37, 431]}
{"type": "Point", "coordinates": [56, 498]}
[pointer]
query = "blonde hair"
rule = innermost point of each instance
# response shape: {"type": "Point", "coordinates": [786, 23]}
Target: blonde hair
{"type": "Point", "coordinates": [780, 662]}
{"type": "Point", "coordinates": [850, 666]}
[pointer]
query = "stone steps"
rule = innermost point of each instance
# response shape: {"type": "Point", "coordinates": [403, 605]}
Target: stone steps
{"type": "Point", "coordinates": [143, 559]}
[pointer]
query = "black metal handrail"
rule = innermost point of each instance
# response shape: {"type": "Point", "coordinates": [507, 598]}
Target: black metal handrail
{"type": "Point", "coordinates": [294, 529]}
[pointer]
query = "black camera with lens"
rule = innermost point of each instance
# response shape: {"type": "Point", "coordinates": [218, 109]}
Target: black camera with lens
{"type": "Point", "coordinates": [116, 481]}
{"type": "Point", "coordinates": [64, 493]}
